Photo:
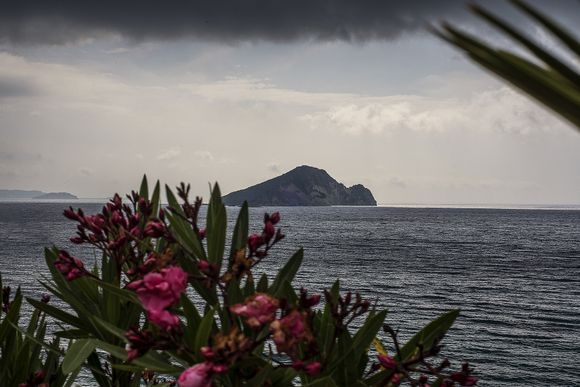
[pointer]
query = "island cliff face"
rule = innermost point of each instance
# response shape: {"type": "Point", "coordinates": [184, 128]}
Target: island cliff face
{"type": "Point", "coordinates": [302, 186]}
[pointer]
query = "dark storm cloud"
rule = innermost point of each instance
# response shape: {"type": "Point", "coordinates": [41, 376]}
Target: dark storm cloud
{"type": "Point", "coordinates": [42, 21]}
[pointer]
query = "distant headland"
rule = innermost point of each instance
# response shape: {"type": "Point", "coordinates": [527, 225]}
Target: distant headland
{"type": "Point", "coordinates": [302, 186]}
{"type": "Point", "coordinates": [16, 194]}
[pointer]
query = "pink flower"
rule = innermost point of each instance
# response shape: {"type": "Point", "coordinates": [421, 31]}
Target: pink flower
{"type": "Point", "coordinates": [71, 267]}
{"type": "Point", "coordinates": [158, 291]}
{"type": "Point", "coordinates": [288, 331]}
{"type": "Point", "coordinates": [196, 376]}
{"type": "Point", "coordinates": [259, 309]}
{"type": "Point", "coordinates": [388, 362]}
{"type": "Point", "coordinates": [163, 319]}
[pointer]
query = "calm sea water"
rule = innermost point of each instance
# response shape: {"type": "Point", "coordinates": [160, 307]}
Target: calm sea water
{"type": "Point", "coordinates": [514, 273]}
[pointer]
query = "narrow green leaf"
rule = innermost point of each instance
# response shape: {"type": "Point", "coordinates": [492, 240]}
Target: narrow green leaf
{"type": "Point", "coordinates": [57, 313]}
{"type": "Point", "coordinates": [144, 189]}
{"type": "Point", "coordinates": [430, 335]}
{"type": "Point", "coordinates": [240, 235]}
{"type": "Point", "coordinates": [288, 272]}
{"type": "Point", "coordinates": [560, 67]}
{"type": "Point", "coordinates": [216, 227]}
{"type": "Point", "coordinates": [112, 329]}
{"type": "Point", "coordinates": [323, 382]}
{"type": "Point", "coordinates": [155, 199]}
{"type": "Point", "coordinates": [204, 331]}
{"type": "Point", "coordinates": [365, 335]}
{"type": "Point", "coordinates": [558, 31]}
{"type": "Point", "coordinates": [76, 355]}
{"type": "Point", "coordinates": [262, 284]}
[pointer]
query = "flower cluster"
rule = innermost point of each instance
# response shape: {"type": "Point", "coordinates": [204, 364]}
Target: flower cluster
{"type": "Point", "coordinates": [122, 231]}
{"type": "Point", "coordinates": [71, 267]}
{"type": "Point", "coordinates": [259, 244]}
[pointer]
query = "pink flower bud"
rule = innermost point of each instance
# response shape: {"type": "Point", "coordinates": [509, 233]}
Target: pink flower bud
{"type": "Point", "coordinates": [72, 268]}
{"type": "Point", "coordinates": [396, 379]}
{"type": "Point", "coordinates": [269, 231]}
{"type": "Point", "coordinates": [203, 265]}
{"type": "Point", "coordinates": [207, 353]}
{"type": "Point", "coordinates": [275, 217]}
{"type": "Point", "coordinates": [313, 368]}
{"type": "Point", "coordinates": [118, 219]}
{"type": "Point", "coordinates": [202, 233]}
{"type": "Point", "coordinates": [77, 240]}
{"type": "Point", "coordinates": [314, 300]}
{"type": "Point", "coordinates": [196, 376]}
{"type": "Point", "coordinates": [254, 242]}
{"type": "Point", "coordinates": [155, 229]}
{"type": "Point", "coordinates": [70, 214]}
{"type": "Point", "coordinates": [387, 361]}
{"type": "Point", "coordinates": [219, 368]}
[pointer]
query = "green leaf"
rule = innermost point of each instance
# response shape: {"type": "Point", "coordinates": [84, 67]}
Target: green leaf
{"type": "Point", "coordinates": [151, 360]}
{"type": "Point", "coordinates": [72, 334]}
{"type": "Point", "coordinates": [76, 355]}
{"type": "Point", "coordinates": [11, 317]}
{"type": "Point", "coordinates": [186, 237]}
{"type": "Point", "coordinates": [323, 382]}
{"type": "Point", "coordinates": [366, 334]}
{"type": "Point", "coordinates": [112, 329]}
{"type": "Point", "coordinates": [120, 294]}
{"type": "Point", "coordinates": [193, 320]}
{"type": "Point", "coordinates": [216, 227]}
{"type": "Point", "coordinates": [144, 189]}
{"type": "Point", "coordinates": [262, 284]}
{"type": "Point", "coordinates": [240, 235]}
{"type": "Point", "coordinates": [204, 331]}
{"type": "Point", "coordinates": [155, 200]}
{"type": "Point", "coordinates": [542, 54]}
{"type": "Point", "coordinates": [287, 273]}
{"type": "Point", "coordinates": [430, 335]}
{"type": "Point", "coordinates": [57, 313]}
{"type": "Point", "coordinates": [555, 29]}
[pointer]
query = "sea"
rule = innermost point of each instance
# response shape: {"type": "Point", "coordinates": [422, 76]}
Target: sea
{"type": "Point", "coordinates": [513, 272]}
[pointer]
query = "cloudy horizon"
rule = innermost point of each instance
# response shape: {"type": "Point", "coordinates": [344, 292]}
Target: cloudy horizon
{"type": "Point", "coordinates": [93, 95]}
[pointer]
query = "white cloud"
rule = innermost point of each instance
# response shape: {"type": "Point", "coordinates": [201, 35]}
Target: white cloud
{"type": "Point", "coordinates": [497, 110]}
{"type": "Point", "coordinates": [169, 154]}
{"type": "Point", "coordinates": [204, 155]}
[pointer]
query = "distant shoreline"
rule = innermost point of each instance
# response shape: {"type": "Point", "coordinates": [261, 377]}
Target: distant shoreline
{"type": "Point", "coordinates": [562, 207]}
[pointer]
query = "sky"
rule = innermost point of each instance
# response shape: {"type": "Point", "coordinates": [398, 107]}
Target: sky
{"type": "Point", "coordinates": [94, 94]}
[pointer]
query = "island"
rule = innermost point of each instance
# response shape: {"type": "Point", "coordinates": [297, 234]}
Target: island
{"type": "Point", "coordinates": [302, 186]}
{"type": "Point", "coordinates": [56, 196]}
{"type": "Point", "coordinates": [18, 194]}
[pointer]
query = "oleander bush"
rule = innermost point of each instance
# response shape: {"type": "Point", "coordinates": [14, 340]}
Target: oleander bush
{"type": "Point", "coordinates": [170, 305]}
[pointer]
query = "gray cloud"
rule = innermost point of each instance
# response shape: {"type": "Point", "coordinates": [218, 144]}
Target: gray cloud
{"type": "Point", "coordinates": [39, 21]}
{"type": "Point", "coordinates": [16, 87]}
